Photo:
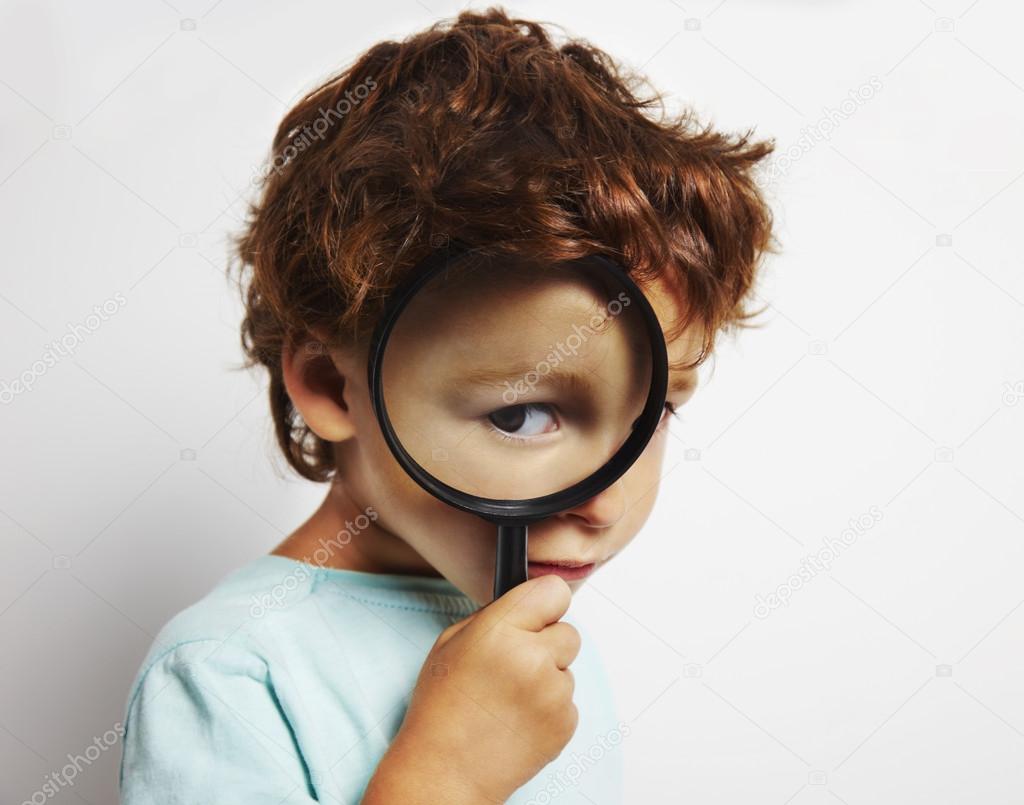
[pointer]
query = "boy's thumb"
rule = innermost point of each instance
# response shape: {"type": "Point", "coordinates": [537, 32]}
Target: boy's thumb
{"type": "Point", "coordinates": [452, 630]}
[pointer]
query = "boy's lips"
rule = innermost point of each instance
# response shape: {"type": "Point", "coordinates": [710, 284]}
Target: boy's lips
{"type": "Point", "coordinates": [568, 569]}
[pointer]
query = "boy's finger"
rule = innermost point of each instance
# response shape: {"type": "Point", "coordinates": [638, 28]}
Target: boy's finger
{"type": "Point", "coordinates": [531, 605]}
{"type": "Point", "coordinates": [563, 641]}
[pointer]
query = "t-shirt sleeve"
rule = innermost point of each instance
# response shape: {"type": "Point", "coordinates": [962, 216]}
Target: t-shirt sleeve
{"type": "Point", "coordinates": [204, 725]}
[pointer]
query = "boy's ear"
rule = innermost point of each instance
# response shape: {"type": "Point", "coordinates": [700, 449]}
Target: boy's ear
{"type": "Point", "coordinates": [317, 388]}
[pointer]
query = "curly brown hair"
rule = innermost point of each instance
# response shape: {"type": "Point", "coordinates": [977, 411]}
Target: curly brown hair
{"type": "Point", "coordinates": [484, 130]}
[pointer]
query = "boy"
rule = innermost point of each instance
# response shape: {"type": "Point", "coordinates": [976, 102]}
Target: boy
{"type": "Point", "coordinates": [363, 661]}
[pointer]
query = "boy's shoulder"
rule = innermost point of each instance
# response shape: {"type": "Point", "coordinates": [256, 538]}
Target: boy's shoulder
{"type": "Point", "coordinates": [216, 656]}
{"type": "Point", "coordinates": [245, 595]}
{"type": "Point", "coordinates": [233, 613]}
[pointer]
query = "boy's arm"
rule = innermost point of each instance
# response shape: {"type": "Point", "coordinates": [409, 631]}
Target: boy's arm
{"type": "Point", "coordinates": [409, 773]}
{"type": "Point", "coordinates": [204, 725]}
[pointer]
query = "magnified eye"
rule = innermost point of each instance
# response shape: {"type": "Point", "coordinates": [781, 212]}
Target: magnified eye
{"type": "Point", "coordinates": [524, 421]}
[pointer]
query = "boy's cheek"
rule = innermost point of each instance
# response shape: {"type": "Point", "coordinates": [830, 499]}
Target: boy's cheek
{"type": "Point", "coordinates": [643, 479]}
{"type": "Point", "coordinates": [456, 544]}
{"type": "Point", "coordinates": [653, 458]}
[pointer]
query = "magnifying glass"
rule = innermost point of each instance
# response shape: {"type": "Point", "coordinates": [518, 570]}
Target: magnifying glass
{"type": "Point", "coordinates": [516, 390]}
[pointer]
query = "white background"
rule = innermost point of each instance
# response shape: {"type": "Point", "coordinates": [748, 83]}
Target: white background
{"type": "Point", "coordinates": [889, 374]}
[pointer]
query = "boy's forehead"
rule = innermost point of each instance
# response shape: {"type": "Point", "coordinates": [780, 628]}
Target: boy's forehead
{"type": "Point", "coordinates": [482, 302]}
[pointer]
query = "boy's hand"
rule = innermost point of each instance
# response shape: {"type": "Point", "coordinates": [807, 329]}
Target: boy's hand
{"type": "Point", "coordinates": [493, 702]}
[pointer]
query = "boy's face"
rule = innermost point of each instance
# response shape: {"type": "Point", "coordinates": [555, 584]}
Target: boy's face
{"type": "Point", "coordinates": [460, 420]}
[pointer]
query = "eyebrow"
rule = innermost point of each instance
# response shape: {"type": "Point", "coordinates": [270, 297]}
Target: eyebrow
{"type": "Point", "coordinates": [680, 381]}
{"type": "Point", "coordinates": [563, 379]}
{"type": "Point", "coordinates": [558, 377]}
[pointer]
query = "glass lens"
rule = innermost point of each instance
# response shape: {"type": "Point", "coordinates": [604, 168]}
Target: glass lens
{"type": "Point", "coordinates": [512, 381]}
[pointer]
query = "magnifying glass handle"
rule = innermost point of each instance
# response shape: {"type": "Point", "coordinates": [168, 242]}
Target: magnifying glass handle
{"type": "Point", "coordinates": [510, 561]}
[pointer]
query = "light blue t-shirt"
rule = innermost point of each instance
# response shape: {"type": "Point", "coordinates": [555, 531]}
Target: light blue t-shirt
{"type": "Point", "coordinates": [288, 681]}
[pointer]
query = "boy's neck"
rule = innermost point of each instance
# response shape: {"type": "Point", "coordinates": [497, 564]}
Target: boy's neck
{"type": "Point", "coordinates": [340, 535]}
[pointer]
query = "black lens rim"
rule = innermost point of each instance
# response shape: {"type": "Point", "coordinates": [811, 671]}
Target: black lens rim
{"type": "Point", "coordinates": [511, 512]}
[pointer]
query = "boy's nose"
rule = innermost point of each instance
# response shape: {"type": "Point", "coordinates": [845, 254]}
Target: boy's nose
{"type": "Point", "coordinates": [602, 510]}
